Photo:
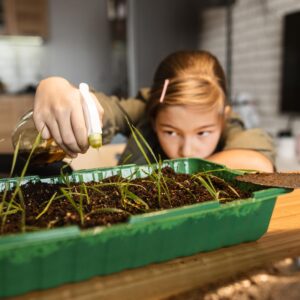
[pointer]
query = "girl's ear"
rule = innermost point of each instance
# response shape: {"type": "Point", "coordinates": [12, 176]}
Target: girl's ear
{"type": "Point", "coordinates": [227, 111]}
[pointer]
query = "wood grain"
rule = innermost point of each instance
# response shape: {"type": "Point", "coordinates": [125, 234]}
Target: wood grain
{"type": "Point", "coordinates": [158, 281]}
{"type": "Point", "coordinates": [28, 17]}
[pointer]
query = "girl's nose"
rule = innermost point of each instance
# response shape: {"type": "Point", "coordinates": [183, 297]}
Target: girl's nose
{"type": "Point", "coordinates": [186, 149]}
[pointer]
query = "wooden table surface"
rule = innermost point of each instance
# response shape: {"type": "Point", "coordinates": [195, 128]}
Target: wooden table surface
{"type": "Point", "coordinates": [158, 281]}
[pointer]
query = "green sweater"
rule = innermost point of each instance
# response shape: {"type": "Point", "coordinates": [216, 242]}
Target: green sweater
{"type": "Point", "coordinates": [234, 136]}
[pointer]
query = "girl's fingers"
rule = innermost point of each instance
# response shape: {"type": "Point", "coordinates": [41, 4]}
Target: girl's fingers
{"type": "Point", "coordinates": [59, 113]}
{"type": "Point", "coordinates": [55, 133]}
{"type": "Point", "coordinates": [45, 133]}
{"type": "Point", "coordinates": [42, 127]}
{"type": "Point", "coordinates": [68, 139]}
{"type": "Point", "coordinates": [53, 130]}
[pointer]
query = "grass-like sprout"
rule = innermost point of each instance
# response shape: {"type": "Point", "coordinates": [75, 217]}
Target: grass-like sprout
{"type": "Point", "coordinates": [47, 206]}
{"type": "Point", "coordinates": [78, 206]}
{"type": "Point", "coordinates": [162, 181]}
{"type": "Point", "coordinates": [171, 180]}
{"type": "Point", "coordinates": [208, 185]}
{"type": "Point", "coordinates": [157, 174]}
{"type": "Point", "coordinates": [16, 153]}
{"type": "Point", "coordinates": [137, 135]}
{"type": "Point", "coordinates": [84, 188]}
{"type": "Point", "coordinates": [128, 198]}
{"type": "Point", "coordinates": [205, 180]}
{"type": "Point", "coordinates": [227, 184]}
{"type": "Point", "coordinates": [68, 194]}
{"type": "Point", "coordinates": [222, 180]}
{"type": "Point", "coordinates": [64, 176]}
{"type": "Point", "coordinates": [126, 159]}
{"type": "Point", "coordinates": [17, 191]}
{"type": "Point", "coordinates": [15, 208]}
{"type": "Point", "coordinates": [78, 199]}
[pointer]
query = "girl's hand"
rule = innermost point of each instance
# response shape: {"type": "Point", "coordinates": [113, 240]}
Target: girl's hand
{"type": "Point", "coordinates": [59, 113]}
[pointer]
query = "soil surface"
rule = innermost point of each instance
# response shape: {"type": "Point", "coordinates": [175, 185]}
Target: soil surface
{"type": "Point", "coordinates": [104, 203]}
{"type": "Point", "coordinates": [285, 180]}
{"type": "Point", "coordinates": [276, 282]}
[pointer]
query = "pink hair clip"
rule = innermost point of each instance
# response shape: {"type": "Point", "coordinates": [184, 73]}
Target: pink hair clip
{"type": "Point", "coordinates": [163, 93]}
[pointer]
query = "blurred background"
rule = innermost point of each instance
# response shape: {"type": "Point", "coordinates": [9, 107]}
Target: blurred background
{"type": "Point", "coordinates": [115, 46]}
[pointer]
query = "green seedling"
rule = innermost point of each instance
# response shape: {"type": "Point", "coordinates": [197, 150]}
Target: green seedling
{"type": "Point", "coordinates": [14, 209]}
{"type": "Point", "coordinates": [222, 180]}
{"type": "Point", "coordinates": [131, 199]}
{"type": "Point", "coordinates": [182, 187]}
{"type": "Point", "coordinates": [157, 174]}
{"type": "Point", "coordinates": [126, 159]}
{"type": "Point", "coordinates": [85, 191]}
{"type": "Point", "coordinates": [48, 205]}
{"type": "Point", "coordinates": [64, 176]}
{"type": "Point", "coordinates": [206, 182]}
{"type": "Point", "coordinates": [17, 191]}
{"type": "Point", "coordinates": [127, 197]}
{"type": "Point", "coordinates": [79, 207]}
{"type": "Point", "coordinates": [16, 152]}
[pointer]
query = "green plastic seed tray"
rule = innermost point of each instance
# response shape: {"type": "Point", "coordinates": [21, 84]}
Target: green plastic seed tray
{"type": "Point", "coordinates": [48, 258]}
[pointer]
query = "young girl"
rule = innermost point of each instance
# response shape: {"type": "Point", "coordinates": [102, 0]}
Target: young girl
{"type": "Point", "coordinates": [184, 114]}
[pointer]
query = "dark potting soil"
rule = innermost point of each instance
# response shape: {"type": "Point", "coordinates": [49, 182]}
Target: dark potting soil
{"type": "Point", "coordinates": [110, 201]}
{"type": "Point", "coordinates": [285, 180]}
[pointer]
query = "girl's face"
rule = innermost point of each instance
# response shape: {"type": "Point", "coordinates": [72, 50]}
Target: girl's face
{"type": "Point", "coordinates": [187, 131]}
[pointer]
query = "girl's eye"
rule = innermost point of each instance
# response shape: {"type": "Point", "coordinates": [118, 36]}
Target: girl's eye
{"type": "Point", "coordinates": [170, 133]}
{"type": "Point", "coordinates": [204, 133]}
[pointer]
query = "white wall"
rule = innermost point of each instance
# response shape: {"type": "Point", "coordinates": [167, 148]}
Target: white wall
{"type": "Point", "coordinates": [78, 48]}
{"type": "Point", "coordinates": [157, 28]}
{"type": "Point", "coordinates": [257, 38]}
{"type": "Point", "coordinates": [20, 62]}
{"type": "Point", "coordinates": [79, 42]}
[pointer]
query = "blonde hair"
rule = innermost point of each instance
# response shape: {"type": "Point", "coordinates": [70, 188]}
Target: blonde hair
{"type": "Point", "coordinates": [195, 78]}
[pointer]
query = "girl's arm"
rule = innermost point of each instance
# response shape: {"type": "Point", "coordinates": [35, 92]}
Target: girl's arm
{"type": "Point", "coordinates": [242, 159]}
{"type": "Point", "coordinates": [242, 148]}
{"type": "Point", "coordinates": [59, 113]}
